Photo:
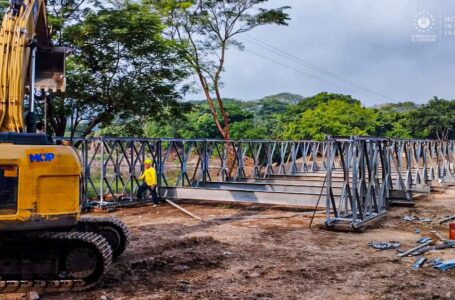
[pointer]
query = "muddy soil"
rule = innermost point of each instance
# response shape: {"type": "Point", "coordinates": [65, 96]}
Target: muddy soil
{"type": "Point", "coordinates": [248, 252]}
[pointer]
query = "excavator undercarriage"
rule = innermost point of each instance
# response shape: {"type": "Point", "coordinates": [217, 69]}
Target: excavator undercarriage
{"type": "Point", "coordinates": [73, 259]}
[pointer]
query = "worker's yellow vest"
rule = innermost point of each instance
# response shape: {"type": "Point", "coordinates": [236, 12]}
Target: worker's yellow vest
{"type": "Point", "coordinates": [149, 176]}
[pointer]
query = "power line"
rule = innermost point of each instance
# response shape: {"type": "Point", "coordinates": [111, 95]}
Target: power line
{"type": "Point", "coordinates": [271, 48]}
{"type": "Point", "coordinates": [291, 68]}
{"type": "Point", "coordinates": [298, 70]}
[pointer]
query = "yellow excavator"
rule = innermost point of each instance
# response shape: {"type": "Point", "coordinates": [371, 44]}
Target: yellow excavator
{"type": "Point", "coordinates": [45, 244]}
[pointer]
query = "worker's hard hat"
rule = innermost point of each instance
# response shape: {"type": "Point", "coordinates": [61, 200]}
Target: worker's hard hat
{"type": "Point", "coordinates": [148, 162]}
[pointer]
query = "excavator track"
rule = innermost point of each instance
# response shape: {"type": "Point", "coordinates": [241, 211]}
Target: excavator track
{"type": "Point", "coordinates": [112, 229]}
{"type": "Point", "coordinates": [71, 261]}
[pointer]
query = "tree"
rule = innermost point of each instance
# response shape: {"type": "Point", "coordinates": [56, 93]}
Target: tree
{"type": "Point", "coordinates": [64, 12]}
{"type": "Point", "coordinates": [294, 111]}
{"type": "Point", "coordinates": [122, 128]}
{"type": "Point", "coordinates": [197, 123]}
{"type": "Point", "coordinates": [121, 66]}
{"type": "Point", "coordinates": [335, 117]}
{"type": "Point", "coordinates": [436, 119]}
{"type": "Point", "coordinates": [249, 129]}
{"type": "Point", "coordinates": [205, 30]}
{"type": "Point", "coordinates": [4, 4]}
{"type": "Point", "coordinates": [395, 120]}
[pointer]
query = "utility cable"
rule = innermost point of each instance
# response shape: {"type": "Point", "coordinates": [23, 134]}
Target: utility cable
{"type": "Point", "coordinates": [277, 51]}
{"type": "Point", "coordinates": [294, 69]}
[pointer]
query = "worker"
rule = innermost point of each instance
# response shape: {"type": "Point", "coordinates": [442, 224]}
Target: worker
{"type": "Point", "coordinates": [149, 182]}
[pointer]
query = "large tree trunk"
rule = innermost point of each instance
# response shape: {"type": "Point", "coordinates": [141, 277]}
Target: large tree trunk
{"type": "Point", "coordinates": [222, 129]}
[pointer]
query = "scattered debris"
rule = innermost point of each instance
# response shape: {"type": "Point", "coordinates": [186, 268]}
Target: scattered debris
{"type": "Point", "coordinates": [419, 262]}
{"type": "Point", "coordinates": [426, 220]}
{"type": "Point", "coordinates": [410, 251]}
{"type": "Point", "coordinates": [408, 218]}
{"type": "Point", "coordinates": [449, 242]}
{"type": "Point", "coordinates": [450, 218]}
{"type": "Point", "coordinates": [423, 240]}
{"type": "Point", "coordinates": [445, 265]}
{"type": "Point", "coordinates": [428, 248]}
{"type": "Point", "coordinates": [434, 261]}
{"type": "Point", "coordinates": [384, 245]}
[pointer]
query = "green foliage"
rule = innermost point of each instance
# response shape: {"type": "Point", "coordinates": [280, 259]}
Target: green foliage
{"type": "Point", "coordinates": [198, 125]}
{"type": "Point", "coordinates": [312, 102]}
{"type": "Point", "coordinates": [335, 117]}
{"type": "Point", "coordinates": [61, 13]}
{"type": "Point", "coordinates": [249, 129]}
{"type": "Point", "coordinates": [395, 120]}
{"type": "Point", "coordinates": [436, 120]}
{"type": "Point", "coordinates": [246, 117]}
{"type": "Point", "coordinates": [394, 125]}
{"type": "Point", "coordinates": [277, 104]}
{"type": "Point", "coordinates": [156, 129]}
{"type": "Point", "coordinates": [132, 128]}
{"type": "Point", "coordinates": [121, 66]}
{"type": "Point", "coordinates": [334, 114]}
{"type": "Point", "coordinates": [287, 98]}
{"type": "Point", "coordinates": [4, 4]}
{"type": "Point", "coordinates": [400, 107]}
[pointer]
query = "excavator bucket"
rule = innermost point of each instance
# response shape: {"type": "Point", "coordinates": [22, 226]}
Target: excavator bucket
{"type": "Point", "coordinates": [50, 69]}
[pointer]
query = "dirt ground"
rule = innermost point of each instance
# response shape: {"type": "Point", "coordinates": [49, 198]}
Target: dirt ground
{"type": "Point", "coordinates": [250, 252]}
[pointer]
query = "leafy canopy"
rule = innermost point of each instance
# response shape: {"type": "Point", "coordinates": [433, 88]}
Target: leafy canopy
{"type": "Point", "coordinates": [121, 66]}
{"type": "Point", "coordinates": [436, 120]}
{"type": "Point", "coordinates": [336, 117]}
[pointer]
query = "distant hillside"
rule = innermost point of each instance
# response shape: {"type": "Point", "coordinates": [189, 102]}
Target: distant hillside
{"type": "Point", "coordinates": [281, 97]}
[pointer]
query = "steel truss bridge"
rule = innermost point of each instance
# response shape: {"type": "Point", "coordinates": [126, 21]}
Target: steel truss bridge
{"type": "Point", "coordinates": [356, 178]}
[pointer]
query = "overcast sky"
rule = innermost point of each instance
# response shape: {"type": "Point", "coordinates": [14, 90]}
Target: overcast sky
{"type": "Point", "coordinates": [403, 50]}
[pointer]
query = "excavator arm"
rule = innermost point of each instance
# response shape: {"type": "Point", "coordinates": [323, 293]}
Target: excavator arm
{"type": "Point", "coordinates": [27, 59]}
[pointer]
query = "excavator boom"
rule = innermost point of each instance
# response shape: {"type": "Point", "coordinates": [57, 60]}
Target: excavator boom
{"type": "Point", "coordinates": [27, 59]}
